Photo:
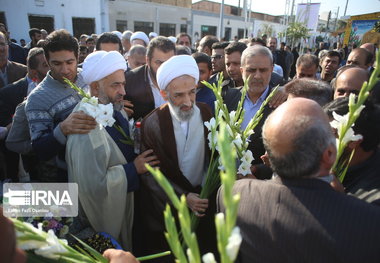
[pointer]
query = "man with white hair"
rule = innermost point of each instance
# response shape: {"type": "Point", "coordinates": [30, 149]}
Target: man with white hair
{"type": "Point", "coordinates": [139, 38]}
{"type": "Point", "coordinates": [176, 133]}
{"type": "Point", "coordinates": [99, 161]}
{"type": "Point", "coordinates": [256, 68]}
{"type": "Point", "coordinates": [125, 40]}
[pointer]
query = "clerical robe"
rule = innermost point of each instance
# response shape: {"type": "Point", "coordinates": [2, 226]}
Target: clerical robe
{"type": "Point", "coordinates": [95, 163]}
{"type": "Point", "coordinates": [158, 133]}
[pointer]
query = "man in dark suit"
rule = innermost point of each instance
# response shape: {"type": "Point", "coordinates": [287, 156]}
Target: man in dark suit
{"type": "Point", "coordinates": [13, 94]}
{"type": "Point", "coordinates": [257, 65]}
{"type": "Point", "coordinates": [9, 71]}
{"type": "Point", "coordinates": [141, 84]}
{"type": "Point", "coordinates": [297, 216]}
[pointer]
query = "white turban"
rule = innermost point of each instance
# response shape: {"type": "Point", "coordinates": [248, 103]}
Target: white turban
{"type": "Point", "coordinates": [118, 34]}
{"type": "Point", "coordinates": [100, 64]}
{"type": "Point", "coordinates": [175, 67]}
{"type": "Point", "coordinates": [140, 35]}
{"type": "Point", "coordinates": [153, 34]}
{"type": "Point", "coordinates": [173, 39]}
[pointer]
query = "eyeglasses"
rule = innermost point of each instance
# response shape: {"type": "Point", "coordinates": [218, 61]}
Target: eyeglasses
{"type": "Point", "coordinates": [217, 56]}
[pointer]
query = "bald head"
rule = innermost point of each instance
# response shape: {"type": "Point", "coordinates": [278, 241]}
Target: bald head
{"type": "Point", "coordinates": [350, 81]}
{"type": "Point", "coordinates": [370, 47]}
{"type": "Point", "coordinates": [360, 57]}
{"type": "Point", "coordinates": [296, 135]}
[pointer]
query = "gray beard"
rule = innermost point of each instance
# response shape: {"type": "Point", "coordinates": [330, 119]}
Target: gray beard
{"type": "Point", "coordinates": [180, 114]}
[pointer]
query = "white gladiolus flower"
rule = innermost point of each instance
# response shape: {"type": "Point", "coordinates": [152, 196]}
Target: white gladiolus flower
{"type": "Point", "coordinates": [208, 258]}
{"type": "Point", "coordinates": [234, 242]}
{"type": "Point", "coordinates": [219, 219]}
{"type": "Point", "coordinates": [89, 109]}
{"type": "Point", "coordinates": [232, 115]}
{"type": "Point", "coordinates": [30, 244]}
{"type": "Point", "coordinates": [228, 128]}
{"type": "Point", "coordinates": [52, 246]}
{"type": "Point", "coordinates": [211, 124]}
{"type": "Point", "coordinates": [351, 137]}
{"type": "Point", "coordinates": [247, 157]}
{"type": "Point", "coordinates": [220, 114]}
{"type": "Point", "coordinates": [238, 142]}
{"type": "Point", "coordinates": [105, 115]}
{"type": "Point", "coordinates": [244, 169]}
{"type": "Point", "coordinates": [340, 121]}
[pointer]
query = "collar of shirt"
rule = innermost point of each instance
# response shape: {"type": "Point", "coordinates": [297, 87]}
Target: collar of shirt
{"type": "Point", "coordinates": [251, 108]}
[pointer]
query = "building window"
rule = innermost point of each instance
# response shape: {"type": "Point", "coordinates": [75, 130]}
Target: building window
{"type": "Point", "coordinates": [83, 26]}
{"type": "Point", "coordinates": [208, 30]}
{"type": "Point", "coordinates": [240, 33]}
{"type": "Point", "coordinates": [121, 25]}
{"type": "Point", "coordinates": [41, 22]}
{"type": "Point", "coordinates": [145, 27]}
{"type": "Point", "coordinates": [227, 33]}
{"type": "Point", "coordinates": [183, 28]}
{"type": "Point", "coordinates": [167, 29]}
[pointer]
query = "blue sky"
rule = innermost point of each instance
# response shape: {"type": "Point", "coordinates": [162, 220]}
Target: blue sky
{"type": "Point", "coordinates": [277, 7]}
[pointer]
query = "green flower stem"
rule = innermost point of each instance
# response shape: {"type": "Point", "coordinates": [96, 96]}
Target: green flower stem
{"type": "Point", "coordinates": [158, 255]}
{"type": "Point", "coordinates": [76, 88]}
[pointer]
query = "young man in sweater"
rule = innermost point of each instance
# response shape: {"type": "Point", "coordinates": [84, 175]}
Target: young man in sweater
{"type": "Point", "coordinates": [49, 107]}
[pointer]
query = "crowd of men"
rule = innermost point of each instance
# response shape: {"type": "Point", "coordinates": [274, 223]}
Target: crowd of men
{"type": "Point", "coordinates": [291, 210]}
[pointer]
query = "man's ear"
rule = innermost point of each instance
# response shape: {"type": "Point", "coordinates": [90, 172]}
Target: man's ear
{"type": "Point", "coordinates": [164, 94]}
{"type": "Point", "coordinates": [328, 157]}
{"type": "Point", "coordinates": [94, 89]}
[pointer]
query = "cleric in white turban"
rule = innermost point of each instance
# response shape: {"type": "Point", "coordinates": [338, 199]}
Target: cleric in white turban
{"type": "Point", "coordinates": [139, 38]}
{"type": "Point", "coordinates": [98, 162]}
{"type": "Point", "coordinates": [174, 67]}
{"type": "Point", "coordinates": [176, 134]}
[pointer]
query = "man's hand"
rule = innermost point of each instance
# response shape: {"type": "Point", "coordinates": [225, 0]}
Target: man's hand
{"type": "Point", "coordinates": [278, 98]}
{"type": "Point", "coordinates": [119, 256]}
{"type": "Point", "coordinates": [144, 158]}
{"type": "Point", "coordinates": [77, 123]}
{"type": "Point", "coordinates": [197, 205]}
{"type": "Point", "coordinates": [337, 185]}
{"type": "Point", "coordinates": [128, 107]}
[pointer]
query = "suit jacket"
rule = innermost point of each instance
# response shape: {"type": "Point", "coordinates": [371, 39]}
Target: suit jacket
{"type": "Point", "coordinates": [304, 220]}
{"type": "Point", "coordinates": [15, 71]}
{"type": "Point", "coordinates": [256, 144]}
{"type": "Point", "coordinates": [139, 92]}
{"type": "Point", "coordinates": [10, 96]}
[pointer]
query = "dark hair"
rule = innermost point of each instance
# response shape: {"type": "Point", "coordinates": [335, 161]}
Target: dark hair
{"type": "Point", "coordinates": [307, 60]}
{"type": "Point", "coordinates": [316, 90]}
{"type": "Point", "coordinates": [257, 40]}
{"type": "Point", "coordinates": [31, 60]}
{"type": "Point", "coordinates": [333, 53]}
{"type": "Point", "coordinates": [83, 48]}
{"type": "Point", "coordinates": [368, 123]}
{"type": "Point", "coordinates": [109, 37]}
{"type": "Point", "coordinates": [182, 50]}
{"type": "Point", "coordinates": [60, 40]}
{"type": "Point", "coordinates": [208, 41]}
{"type": "Point", "coordinates": [89, 39]}
{"type": "Point", "coordinates": [220, 45]}
{"type": "Point", "coordinates": [164, 44]}
{"type": "Point", "coordinates": [34, 31]}
{"type": "Point", "coordinates": [235, 46]}
{"type": "Point", "coordinates": [183, 35]}
{"type": "Point", "coordinates": [202, 58]}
